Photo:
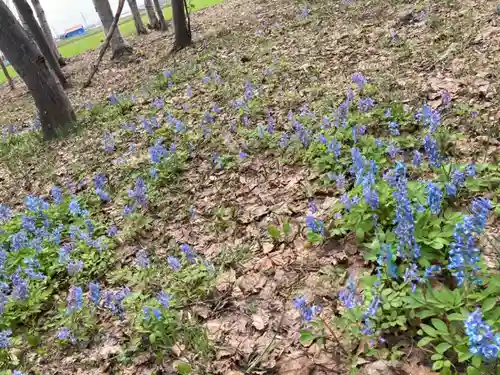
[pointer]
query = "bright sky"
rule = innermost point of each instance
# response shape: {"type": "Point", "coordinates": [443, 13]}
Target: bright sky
{"type": "Point", "coordinates": [63, 14]}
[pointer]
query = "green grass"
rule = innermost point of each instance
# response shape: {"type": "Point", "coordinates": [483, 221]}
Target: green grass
{"type": "Point", "coordinates": [93, 40]}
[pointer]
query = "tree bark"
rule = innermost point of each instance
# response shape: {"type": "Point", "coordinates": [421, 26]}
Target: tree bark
{"type": "Point", "coordinates": [36, 31]}
{"type": "Point", "coordinates": [182, 33]}
{"type": "Point", "coordinates": [119, 46]}
{"type": "Point", "coordinates": [154, 23]}
{"type": "Point", "coordinates": [161, 17]}
{"type": "Point", "coordinates": [105, 44]}
{"type": "Point", "coordinates": [54, 107]}
{"type": "Point", "coordinates": [40, 14]}
{"type": "Point", "coordinates": [6, 74]}
{"type": "Point", "coordinates": [139, 25]}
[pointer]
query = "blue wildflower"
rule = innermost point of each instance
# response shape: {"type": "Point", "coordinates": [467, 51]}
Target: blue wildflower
{"type": "Point", "coordinates": [74, 299]}
{"type": "Point", "coordinates": [417, 158]}
{"type": "Point", "coordinates": [74, 267]}
{"type": "Point", "coordinates": [483, 341]}
{"type": "Point", "coordinates": [359, 79]}
{"type": "Point", "coordinates": [411, 276]}
{"type": "Point", "coordinates": [139, 192]}
{"type": "Point", "coordinates": [150, 312]}
{"type": "Point", "coordinates": [94, 293]}
{"type": "Point", "coordinates": [334, 147]}
{"type": "Point", "coordinates": [429, 117]}
{"type": "Point", "coordinates": [243, 155]}
{"type": "Point", "coordinates": [432, 271]}
{"type": "Point", "coordinates": [108, 142]}
{"type": "Point", "coordinates": [307, 312]}
{"type": "Point", "coordinates": [20, 289]}
{"type": "Point", "coordinates": [57, 194]}
{"type": "Point", "coordinates": [404, 220]}
{"type": "Point", "coordinates": [75, 209]}
{"type": "Point", "coordinates": [315, 225]}
{"type": "Point", "coordinates": [158, 103]}
{"type": "Point", "coordinates": [189, 252]}
{"type": "Point", "coordinates": [113, 100]}
{"type": "Point", "coordinates": [348, 296]}
{"type": "Point", "coordinates": [340, 181]}
{"type": "Point", "coordinates": [451, 190]}
{"type": "Point", "coordinates": [432, 150]}
{"type": "Point", "coordinates": [464, 256]}
{"type": "Point", "coordinates": [142, 259]}
{"type": "Point", "coordinates": [66, 335]}
{"type": "Point", "coordinates": [4, 338]}
{"type": "Point", "coordinates": [434, 197]}
{"type": "Point", "coordinates": [470, 170]}
{"type": "Point", "coordinates": [394, 128]}
{"type": "Point", "coordinates": [158, 151]}
{"type": "Point", "coordinates": [114, 301]}
{"type": "Point", "coordinates": [35, 204]}
{"type": "Point", "coordinates": [365, 104]}
{"type": "Point", "coordinates": [5, 213]}
{"type": "Point", "coordinates": [392, 150]}
{"type": "Point", "coordinates": [284, 140]}
{"type": "Point", "coordinates": [174, 263]}
{"type": "Point", "coordinates": [164, 299]}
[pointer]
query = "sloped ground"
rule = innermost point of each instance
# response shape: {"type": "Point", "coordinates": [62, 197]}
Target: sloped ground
{"type": "Point", "coordinates": [410, 53]}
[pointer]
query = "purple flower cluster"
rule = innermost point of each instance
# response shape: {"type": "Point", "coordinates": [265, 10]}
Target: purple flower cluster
{"type": "Point", "coordinates": [464, 256]}
{"type": "Point", "coordinates": [308, 312]}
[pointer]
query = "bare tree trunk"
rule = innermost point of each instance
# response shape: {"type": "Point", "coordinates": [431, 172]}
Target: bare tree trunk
{"type": "Point", "coordinates": [40, 14]}
{"type": "Point", "coordinates": [182, 33]}
{"type": "Point", "coordinates": [6, 74]}
{"type": "Point", "coordinates": [119, 46]}
{"type": "Point", "coordinates": [161, 17]}
{"type": "Point", "coordinates": [105, 44]}
{"type": "Point", "coordinates": [24, 8]}
{"type": "Point", "coordinates": [139, 26]}
{"type": "Point", "coordinates": [54, 107]}
{"type": "Point", "coordinates": [154, 23]}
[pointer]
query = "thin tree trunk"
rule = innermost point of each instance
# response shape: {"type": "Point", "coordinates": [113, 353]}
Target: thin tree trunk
{"type": "Point", "coordinates": [139, 26]}
{"type": "Point", "coordinates": [6, 74]}
{"type": "Point", "coordinates": [24, 8]}
{"type": "Point", "coordinates": [182, 33]}
{"type": "Point", "coordinates": [105, 44]}
{"type": "Point", "coordinates": [54, 107]}
{"type": "Point", "coordinates": [40, 14]}
{"type": "Point", "coordinates": [154, 23]}
{"type": "Point", "coordinates": [119, 46]}
{"type": "Point", "coordinates": [161, 17]}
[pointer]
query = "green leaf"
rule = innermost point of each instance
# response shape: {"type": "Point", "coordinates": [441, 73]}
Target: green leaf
{"type": "Point", "coordinates": [436, 356]}
{"type": "Point", "coordinates": [441, 348]}
{"type": "Point", "coordinates": [425, 314]}
{"type": "Point", "coordinates": [423, 342]}
{"type": "Point", "coordinates": [473, 371]}
{"type": "Point", "coordinates": [306, 337]}
{"type": "Point", "coordinates": [287, 228]}
{"type": "Point", "coordinates": [462, 357]}
{"type": "Point", "coordinates": [456, 317]}
{"type": "Point", "coordinates": [489, 303]}
{"type": "Point", "coordinates": [183, 368]}
{"type": "Point", "coordinates": [437, 365]}
{"type": "Point", "coordinates": [440, 325]}
{"type": "Point", "coordinates": [274, 232]}
{"type": "Point", "coordinates": [428, 330]}
{"type": "Point", "coordinates": [476, 361]}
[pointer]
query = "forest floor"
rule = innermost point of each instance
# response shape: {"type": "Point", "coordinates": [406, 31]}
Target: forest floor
{"type": "Point", "coordinates": [229, 190]}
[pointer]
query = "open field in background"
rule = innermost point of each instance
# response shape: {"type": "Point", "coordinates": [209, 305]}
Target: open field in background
{"type": "Point", "coordinates": [76, 46]}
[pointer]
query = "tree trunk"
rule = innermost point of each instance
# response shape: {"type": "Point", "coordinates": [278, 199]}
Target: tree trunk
{"type": "Point", "coordinates": [40, 14]}
{"type": "Point", "coordinates": [154, 23]}
{"type": "Point", "coordinates": [182, 33]}
{"type": "Point", "coordinates": [139, 26]}
{"type": "Point", "coordinates": [119, 46]}
{"type": "Point", "coordinates": [6, 74]}
{"type": "Point", "coordinates": [25, 10]}
{"type": "Point", "coordinates": [161, 17]}
{"type": "Point", "coordinates": [54, 107]}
